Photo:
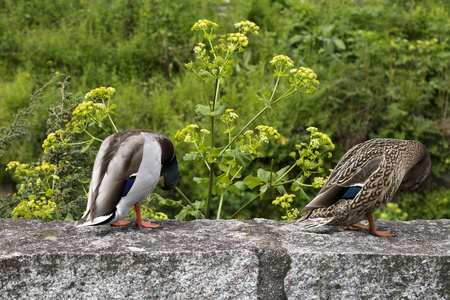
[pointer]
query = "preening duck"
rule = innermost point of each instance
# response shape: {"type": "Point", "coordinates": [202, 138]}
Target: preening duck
{"type": "Point", "coordinates": [128, 166]}
{"type": "Point", "coordinates": [366, 178]}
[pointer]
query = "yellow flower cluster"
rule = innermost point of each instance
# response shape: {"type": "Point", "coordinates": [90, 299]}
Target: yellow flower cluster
{"type": "Point", "coordinates": [204, 25]}
{"type": "Point", "coordinates": [35, 209]}
{"type": "Point", "coordinates": [265, 131]}
{"type": "Point", "coordinates": [228, 116]}
{"type": "Point", "coordinates": [52, 140]}
{"type": "Point", "coordinates": [249, 142]}
{"type": "Point", "coordinates": [247, 26]}
{"type": "Point", "coordinates": [320, 140]}
{"type": "Point", "coordinates": [238, 40]}
{"type": "Point", "coordinates": [282, 60]}
{"type": "Point", "coordinates": [84, 108]}
{"type": "Point", "coordinates": [101, 92]}
{"type": "Point", "coordinates": [188, 134]}
{"type": "Point", "coordinates": [45, 167]}
{"type": "Point", "coordinates": [308, 155]}
{"type": "Point", "coordinates": [148, 213]}
{"type": "Point", "coordinates": [318, 182]}
{"type": "Point", "coordinates": [304, 78]}
{"type": "Point", "coordinates": [285, 202]}
{"type": "Point", "coordinates": [219, 55]}
{"type": "Point", "coordinates": [21, 170]}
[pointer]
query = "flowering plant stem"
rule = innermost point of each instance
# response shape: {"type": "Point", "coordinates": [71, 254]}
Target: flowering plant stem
{"type": "Point", "coordinates": [216, 63]}
{"type": "Point", "coordinates": [211, 169]}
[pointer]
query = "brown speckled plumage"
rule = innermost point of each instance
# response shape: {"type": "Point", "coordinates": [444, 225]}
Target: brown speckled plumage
{"type": "Point", "coordinates": [380, 167]}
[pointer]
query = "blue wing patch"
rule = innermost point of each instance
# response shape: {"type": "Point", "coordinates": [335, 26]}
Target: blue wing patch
{"type": "Point", "coordinates": [128, 184]}
{"type": "Point", "coordinates": [351, 192]}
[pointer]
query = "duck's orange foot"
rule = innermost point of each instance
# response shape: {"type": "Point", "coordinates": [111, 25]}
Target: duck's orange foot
{"type": "Point", "coordinates": [120, 223]}
{"type": "Point", "coordinates": [146, 224]}
{"type": "Point", "coordinates": [358, 227]}
{"type": "Point", "coordinates": [374, 232]}
{"type": "Point", "coordinates": [381, 233]}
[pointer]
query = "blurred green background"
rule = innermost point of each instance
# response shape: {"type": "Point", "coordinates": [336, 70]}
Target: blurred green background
{"type": "Point", "coordinates": [383, 68]}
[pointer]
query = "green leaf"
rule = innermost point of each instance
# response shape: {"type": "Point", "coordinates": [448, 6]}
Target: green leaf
{"type": "Point", "coordinates": [240, 185]}
{"type": "Point", "coordinates": [252, 181]}
{"type": "Point", "coordinates": [326, 29]}
{"type": "Point", "coordinates": [185, 213]}
{"type": "Point", "coordinates": [225, 179]}
{"type": "Point", "coordinates": [196, 214]}
{"type": "Point", "coordinates": [199, 204]}
{"type": "Point", "coordinates": [296, 38]}
{"type": "Point", "coordinates": [302, 195]}
{"type": "Point", "coordinates": [264, 175]}
{"type": "Point", "coordinates": [282, 171]}
{"type": "Point", "coordinates": [200, 180]}
{"type": "Point", "coordinates": [167, 202]}
{"type": "Point", "coordinates": [204, 75]}
{"type": "Point", "coordinates": [234, 190]}
{"type": "Point", "coordinates": [202, 110]}
{"type": "Point", "coordinates": [296, 185]}
{"type": "Point", "coordinates": [223, 167]}
{"type": "Point", "coordinates": [192, 156]}
{"type": "Point", "coordinates": [339, 43]}
{"type": "Point", "coordinates": [220, 108]}
{"type": "Point", "coordinates": [69, 217]}
{"type": "Point", "coordinates": [188, 211]}
{"type": "Point", "coordinates": [281, 189]}
{"type": "Point", "coordinates": [86, 148]}
{"type": "Point", "coordinates": [214, 152]}
{"type": "Point", "coordinates": [264, 98]}
{"type": "Point", "coordinates": [262, 190]}
{"type": "Point", "coordinates": [228, 72]}
{"type": "Point", "coordinates": [241, 158]}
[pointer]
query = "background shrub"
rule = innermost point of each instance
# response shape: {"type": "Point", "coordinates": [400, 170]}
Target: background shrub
{"type": "Point", "coordinates": [382, 66]}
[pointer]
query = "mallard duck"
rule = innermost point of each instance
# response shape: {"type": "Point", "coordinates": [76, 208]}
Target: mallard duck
{"type": "Point", "coordinates": [128, 166]}
{"type": "Point", "coordinates": [366, 178]}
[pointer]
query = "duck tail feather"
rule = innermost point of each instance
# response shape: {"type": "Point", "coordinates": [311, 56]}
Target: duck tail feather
{"type": "Point", "coordinates": [315, 222]}
{"type": "Point", "coordinates": [105, 219]}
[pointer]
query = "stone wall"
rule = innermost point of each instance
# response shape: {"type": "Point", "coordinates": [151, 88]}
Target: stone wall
{"type": "Point", "coordinates": [203, 259]}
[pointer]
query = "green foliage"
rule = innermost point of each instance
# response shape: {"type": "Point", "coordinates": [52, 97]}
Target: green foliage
{"type": "Point", "coordinates": [53, 185]}
{"type": "Point", "coordinates": [35, 209]}
{"type": "Point", "coordinates": [383, 69]}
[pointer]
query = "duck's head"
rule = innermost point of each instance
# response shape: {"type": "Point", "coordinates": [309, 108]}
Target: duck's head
{"type": "Point", "coordinates": [169, 175]}
{"type": "Point", "coordinates": [419, 173]}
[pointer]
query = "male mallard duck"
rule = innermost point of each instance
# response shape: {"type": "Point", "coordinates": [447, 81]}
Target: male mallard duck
{"type": "Point", "coordinates": [366, 178]}
{"type": "Point", "coordinates": [127, 168]}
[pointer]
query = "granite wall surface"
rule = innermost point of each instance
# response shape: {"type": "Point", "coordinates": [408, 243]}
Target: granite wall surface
{"type": "Point", "coordinates": [204, 259]}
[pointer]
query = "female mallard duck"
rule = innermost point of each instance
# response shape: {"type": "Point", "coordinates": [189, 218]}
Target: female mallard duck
{"type": "Point", "coordinates": [128, 166]}
{"type": "Point", "coordinates": [366, 178]}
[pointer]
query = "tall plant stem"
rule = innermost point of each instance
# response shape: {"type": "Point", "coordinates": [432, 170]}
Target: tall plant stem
{"type": "Point", "coordinates": [211, 170]}
{"type": "Point", "coordinates": [246, 204]}
{"type": "Point", "coordinates": [219, 210]}
{"type": "Point", "coordinates": [110, 119]}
